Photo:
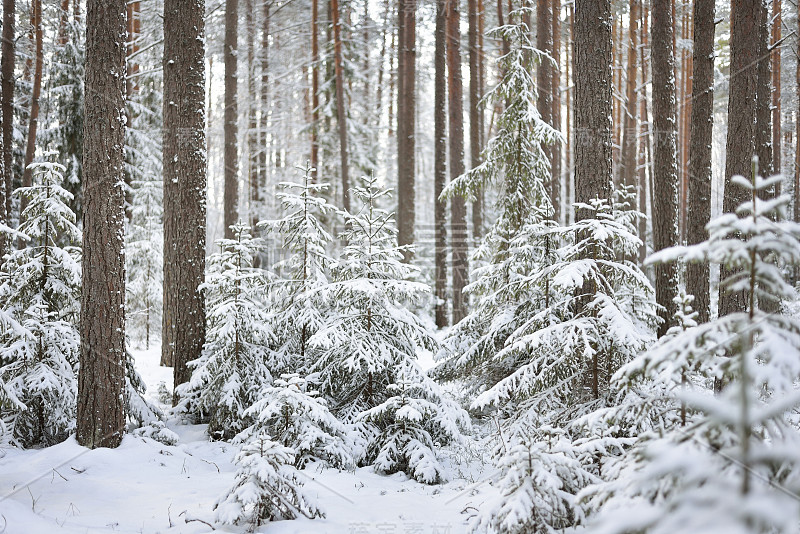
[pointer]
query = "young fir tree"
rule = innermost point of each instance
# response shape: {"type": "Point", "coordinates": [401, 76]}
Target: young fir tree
{"type": "Point", "coordinates": [518, 243]}
{"type": "Point", "coordinates": [266, 487]}
{"type": "Point", "coordinates": [367, 350]}
{"type": "Point", "coordinates": [39, 291]}
{"type": "Point", "coordinates": [236, 360]}
{"type": "Point", "coordinates": [728, 462]}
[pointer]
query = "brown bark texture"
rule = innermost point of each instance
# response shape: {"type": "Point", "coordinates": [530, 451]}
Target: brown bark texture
{"type": "Point", "coordinates": [440, 164]}
{"type": "Point", "coordinates": [341, 114]}
{"type": "Point", "coordinates": [101, 380]}
{"type": "Point", "coordinates": [7, 86]}
{"type": "Point", "coordinates": [231, 129]}
{"type": "Point", "coordinates": [30, 147]}
{"type": "Point", "coordinates": [630, 131]}
{"type": "Point", "coordinates": [406, 113]}
{"type": "Point", "coordinates": [544, 82]}
{"type": "Point", "coordinates": [475, 145]}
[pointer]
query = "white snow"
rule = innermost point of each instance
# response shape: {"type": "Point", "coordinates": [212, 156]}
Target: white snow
{"type": "Point", "coordinates": [145, 486]}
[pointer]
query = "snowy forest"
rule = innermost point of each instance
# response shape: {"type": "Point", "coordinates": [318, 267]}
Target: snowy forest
{"type": "Point", "coordinates": [400, 266]}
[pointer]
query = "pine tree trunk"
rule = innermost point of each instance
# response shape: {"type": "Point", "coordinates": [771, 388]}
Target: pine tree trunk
{"type": "Point", "coordinates": [406, 113]}
{"type": "Point", "coordinates": [699, 209]}
{"type": "Point", "coordinates": [645, 151]}
{"type": "Point", "coordinates": [254, 203]}
{"type": "Point", "coordinates": [30, 148]}
{"type": "Point", "coordinates": [184, 185]}
{"type": "Point", "coordinates": [740, 146]}
{"type": "Point", "coordinates": [764, 96]}
{"type": "Point", "coordinates": [314, 89]}
{"type": "Point", "coordinates": [7, 86]}
{"type": "Point", "coordinates": [569, 95]}
{"type": "Point", "coordinates": [101, 380]}
{"type": "Point", "coordinates": [593, 84]}
{"type": "Point", "coordinates": [458, 209]}
{"type": "Point", "coordinates": [665, 165]}
{"type": "Point", "coordinates": [131, 87]}
{"type": "Point", "coordinates": [341, 114]}
{"type": "Point", "coordinates": [475, 145]}
{"type": "Point", "coordinates": [544, 82]}
{"type": "Point", "coordinates": [440, 163]}
{"type": "Point", "coordinates": [630, 130]}
{"type": "Point", "coordinates": [555, 162]}
{"type": "Point", "coordinates": [263, 118]}
{"type": "Point", "coordinates": [777, 151]}
{"type": "Point", "coordinates": [231, 128]}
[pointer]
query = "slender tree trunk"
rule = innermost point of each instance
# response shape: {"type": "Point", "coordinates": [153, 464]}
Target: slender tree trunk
{"type": "Point", "coordinates": [406, 113]}
{"type": "Point", "coordinates": [616, 91]}
{"type": "Point", "coordinates": [184, 185]}
{"type": "Point", "coordinates": [252, 116]}
{"type": "Point", "coordinates": [740, 146]}
{"type": "Point", "coordinates": [341, 113]}
{"type": "Point", "coordinates": [30, 148]}
{"type": "Point", "coordinates": [630, 130]}
{"type": "Point", "coordinates": [314, 89]}
{"type": "Point", "coordinates": [777, 151]}
{"type": "Point", "coordinates": [665, 168]}
{"type": "Point", "coordinates": [645, 168]}
{"type": "Point", "coordinates": [440, 163]}
{"type": "Point", "coordinates": [699, 209]}
{"type": "Point", "coordinates": [555, 162]}
{"type": "Point", "coordinates": [458, 209]}
{"type": "Point", "coordinates": [263, 121]}
{"type": "Point", "coordinates": [764, 96]}
{"type": "Point", "coordinates": [231, 129]}
{"type": "Point", "coordinates": [131, 86]}
{"type": "Point", "coordinates": [569, 92]}
{"type": "Point", "coordinates": [7, 85]}
{"type": "Point", "coordinates": [475, 145]}
{"type": "Point", "coordinates": [544, 82]}
{"type": "Point", "coordinates": [101, 380]}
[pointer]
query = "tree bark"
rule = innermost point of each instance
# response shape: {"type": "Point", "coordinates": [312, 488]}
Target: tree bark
{"type": "Point", "coordinates": [630, 131]}
{"type": "Point", "coordinates": [665, 165]}
{"type": "Point", "coordinates": [253, 148]}
{"type": "Point", "coordinates": [699, 209]}
{"type": "Point", "coordinates": [555, 162]}
{"type": "Point", "coordinates": [263, 117]}
{"type": "Point", "coordinates": [30, 148]}
{"type": "Point", "coordinates": [764, 96]}
{"type": "Point", "coordinates": [314, 89]}
{"type": "Point", "coordinates": [231, 128]}
{"type": "Point", "coordinates": [101, 379]}
{"type": "Point", "coordinates": [740, 145]}
{"type": "Point", "coordinates": [544, 82]}
{"type": "Point", "coordinates": [777, 151]}
{"type": "Point", "coordinates": [184, 326]}
{"type": "Point", "coordinates": [475, 145]}
{"type": "Point", "coordinates": [7, 85]}
{"type": "Point", "coordinates": [440, 164]}
{"type": "Point", "coordinates": [645, 151]}
{"type": "Point", "coordinates": [406, 113]}
{"type": "Point", "coordinates": [341, 114]}
{"type": "Point", "coordinates": [458, 209]}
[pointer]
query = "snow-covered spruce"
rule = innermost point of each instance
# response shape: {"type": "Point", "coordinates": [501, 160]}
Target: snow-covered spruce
{"type": "Point", "coordinates": [39, 296]}
{"type": "Point", "coordinates": [372, 339]}
{"type": "Point", "coordinates": [236, 360]}
{"type": "Point", "coordinates": [266, 489]}
{"type": "Point", "coordinates": [732, 464]}
{"type": "Point", "coordinates": [293, 414]}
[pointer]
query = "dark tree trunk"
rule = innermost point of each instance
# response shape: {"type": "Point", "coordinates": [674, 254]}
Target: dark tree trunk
{"type": "Point", "coordinates": [440, 163]}
{"type": "Point", "coordinates": [544, 81]}
{"type": "Point", "coordinates": [101, 380]}
{"type": "Point", "coordinates": [314, 88]}
{"type": "Point", "coordinates": [699, 209]}
{"type": "Point", "coordinates": [555, 162]}
{"type": "Point", "coordinates": [458, 208]}
{"type": "Point", "coordinates": [263, 118]}
{"type": "Point", "coordinates": [740, 146]}
{"type": "Point", "coordinates": [7, 85]}
{"type": "Point", "coordinates": [406, 113]}
{"type": "Point", "coordinates": [777, 152]}
{"type": "Point", "coordinates": [475, 145]}
{"type": "Point", "coordinates": [231, 128]}
{"type": "Point", "coordinates": [341, 114]}
{"type": "Point", "coordinates": [252, 116]}
{"type": "Point", "coordinates": [630, 131]}
{"type": "Point", "coordinates": [30, 148]}
{"type": "Point", "coordinates": [184, 185]}
{"type": "Point", "coordinates": [764, 96]}
{"type": "Point", "coordinates": [665, 165]}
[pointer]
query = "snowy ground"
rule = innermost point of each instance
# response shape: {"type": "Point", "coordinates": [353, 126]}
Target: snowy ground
{"type": "Point", "coordinates": [145, 486]}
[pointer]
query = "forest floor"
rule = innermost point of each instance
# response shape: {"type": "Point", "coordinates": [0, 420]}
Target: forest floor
{"type": "Point", "coordinates": [147, 487]}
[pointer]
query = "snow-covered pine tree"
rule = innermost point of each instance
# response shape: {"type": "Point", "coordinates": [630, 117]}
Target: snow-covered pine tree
{"type": "Point", "coordinates": [39, 291]}
{"type": "Point", "coordinates": [518, 243]}
{"type": "Point", "coordinates": [731, 465]}
{"type": "Point", "coordinates": [236, 360]}
{"type": "Point", "coordinates": [371, 342]}
{"type": "Point", "coordinates": [293, 414]}
{"type": "Point", "coordinates": [266, 489]}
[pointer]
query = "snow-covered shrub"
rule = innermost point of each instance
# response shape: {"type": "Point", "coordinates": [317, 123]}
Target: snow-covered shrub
{"type": "Point", "coordinates": [292, 413]}
{"type": "Point", "coordinates": [235, 362]}
{"type": "Point", "coordinates": [729, 462]}
{"type": "Point", "coordinates": [138, 411]}
{"type": "Point", "coordinates": [39, 295]}
{"type": "Point", "coordinates": [158, 431]}
{"type": "Point", "coordinates": [266, 489]}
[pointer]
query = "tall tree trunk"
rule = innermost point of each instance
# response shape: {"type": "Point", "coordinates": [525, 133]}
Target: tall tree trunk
{"type": "Point", "coordinates": [341, 113]}
{"type": "Point", "coordinates": [630, 130]}
{"type": "Point", "coordinates": [131, 86]}
{"type": "Point", "coordinates": [30, 148]}
{"type": "Point", "coordinates": [740, 145]}
{"type": "Point", "coordinates": [646, 153]}
{"type": "Point", "coordinates": [252, 117]}
{"type": "Point", "coordinates": [555, 162]}
{"type": "Point", "coordinates": [699, 209]}
{"type": "Point", "coordinates": [263, 117]}
{"type": "Point", "coordinates": [440, 163]}
{"type": "Point", "coordinates": [7, 85]}
{"type": "Point", "coordinates": [184, 326]}
{"type": "Point", "coordinates": [777, 151]}
{"type": "Point", "coordinates": [475, 146]}
{"type": "Point", "coordinates": [101, 380]}
{"type": "Point", "coordinates": [764, 96]}
{"type": "Point", "coordinates": [544, 82]}
{"type": "Point", "coordinates": [569, 95]}
{"type": "Point", "coordinates": [458, 209]}
{"type": "Point", "coordinates": [665, 165]}
{"type": "Point", "coordinates": [231, 128]}
{"type": "Point", "coordinates": [406, 113]}
{"type": "Point", "coordinates": [314, 89]}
